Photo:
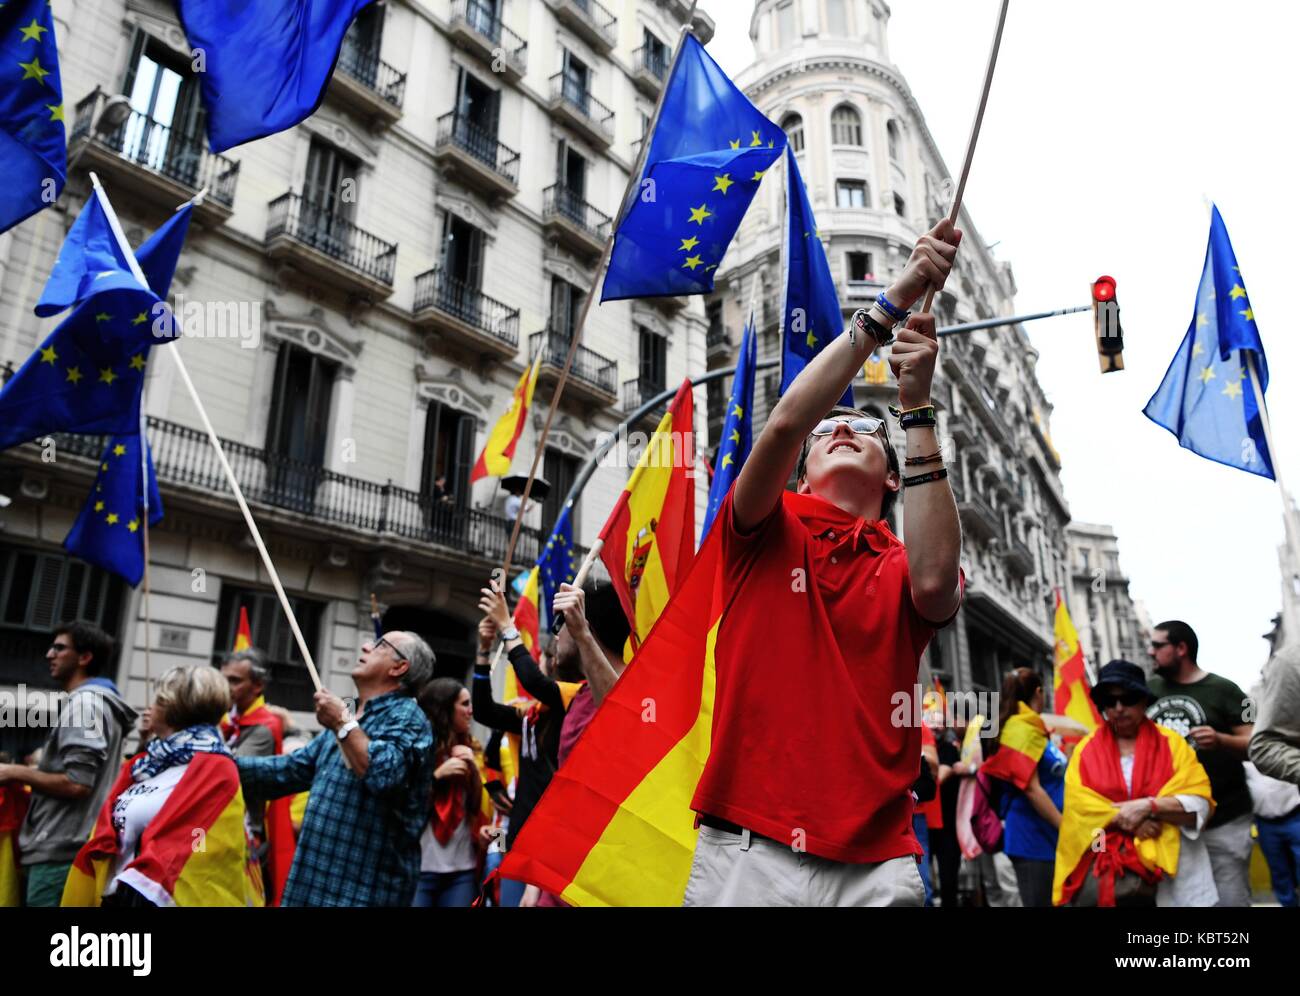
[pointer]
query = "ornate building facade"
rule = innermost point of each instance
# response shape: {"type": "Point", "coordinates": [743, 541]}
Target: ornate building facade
{"type": "Point", "coordinates": [1111, 623]}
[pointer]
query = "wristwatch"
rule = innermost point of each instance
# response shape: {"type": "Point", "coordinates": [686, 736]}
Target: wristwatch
{"type": "Point", "coordinates": [510, 634]}
{"type": "Point", "coordinates": [346, 728]}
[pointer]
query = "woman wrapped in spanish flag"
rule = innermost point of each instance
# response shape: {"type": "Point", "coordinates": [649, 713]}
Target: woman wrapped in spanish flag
{"type": "Point", "coordinates": [171, 832]}
{"type": "Point", "coordinates": [1136, 800]}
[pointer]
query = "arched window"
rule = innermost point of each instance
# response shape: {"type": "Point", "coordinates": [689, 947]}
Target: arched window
{"type": "Point", "coordinates": [792, 125]}
{"type": "Point", "coordinates": [895, 141]}
{"type": "Point", "coordinates": [846, 126]}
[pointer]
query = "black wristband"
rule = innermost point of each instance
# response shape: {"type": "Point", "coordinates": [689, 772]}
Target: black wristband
{"type": "Point", "coordinates": [922, 418]}
{"type": "Point", "coordinates": [934, 475]}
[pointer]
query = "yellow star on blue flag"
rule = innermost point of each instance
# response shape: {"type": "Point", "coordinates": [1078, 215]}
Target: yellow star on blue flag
{"type": "Point", "coordinates": [33, 147]}
{"type": "Point", "coordinates": [737, 429]}
{"type": "Point", "coordinates": [103, 533]}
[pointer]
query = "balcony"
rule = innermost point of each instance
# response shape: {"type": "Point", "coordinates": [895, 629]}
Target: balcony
{"type": "Point", "coordinates": [328, 248]}
{"type": "Point", "coordinates": [465, 317]}
{"type": "Point", "coordinates": [474, 154]}
{"type": "Point", "coordinates": [368, 85]}
{"type": "Point", "coordinates": [152, 161]}
{"type": "Point", "coordinates": [718, 344]}
{"type": "Point", "coordinates": [636, 393]}
{"type": "Point", "coordinates": [570, 220]}
{"type": "Point", "coordinates": [597, 26]}
{"type": "Point", "coordinates": [475, 27]}
{"type": "Point", "coordinates": [978, 517]}
{"type": "Point", "coordinates": [309, 497]}
{"type": "Point", "coordinates": [575, 106]}
{"type": "Point", "coordinates": [592, 378]}
{"type": "Point", "coordinates": [861, 293]}
{"type": "Point", "coordinates": [650, 69]}
{"type": "Point", "coordinates": [1019, 558]}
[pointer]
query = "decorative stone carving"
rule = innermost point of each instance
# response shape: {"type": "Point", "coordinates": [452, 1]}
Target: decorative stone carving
{"type": "Point", "coordinates": [311, 332]}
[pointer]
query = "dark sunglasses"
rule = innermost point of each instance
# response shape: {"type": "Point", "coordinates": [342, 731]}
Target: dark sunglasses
{"type": "Point", "coordinates": [1157, 644]}
{"type": "Point", "coordinates": [863, 426]}
{"type": "Point", "coordinates": [1127, 699]}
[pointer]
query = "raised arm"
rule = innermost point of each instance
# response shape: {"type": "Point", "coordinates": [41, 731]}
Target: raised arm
{"type": "Point", "coordinates": [597, 668]}
{"type": "Point", "coordinates": [535, 683]}
{"type": "Point", "coordinates": [488, 710]}
{"type": "Point", "coordinates": [821, 384]}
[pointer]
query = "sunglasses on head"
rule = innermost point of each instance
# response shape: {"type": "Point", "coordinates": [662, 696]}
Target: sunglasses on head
{"type": "Point", "coordinates": [1125, 698]}
{"type": "Point", "coordinates": [864, 425]}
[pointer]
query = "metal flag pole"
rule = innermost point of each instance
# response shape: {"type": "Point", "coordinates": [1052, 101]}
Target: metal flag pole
{"type": "Point", "coordinates": [633, 179]}
{"type": "Point", "coordinates": [129, 255]}
{"type": "Point", "coordinates": [974, 134]}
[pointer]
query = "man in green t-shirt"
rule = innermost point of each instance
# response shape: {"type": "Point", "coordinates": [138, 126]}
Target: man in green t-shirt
{"type": "Point", "coordinates": [1217, 718]}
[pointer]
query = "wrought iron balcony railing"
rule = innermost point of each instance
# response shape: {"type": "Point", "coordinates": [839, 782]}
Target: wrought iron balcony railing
{"type": "Point", "coordinates": [159, 148]}
{"type": "Point", "coordinates": [438, 289]}
{"type": "Point", "coordinates": [570, 90]}
{"type": "Point", "coordinates": [560, 201]}
{"type": "Point", "coordinates": [589, 367]}
{"type": "Point", "coordinates": [324, 229]}
{"type": "Point", "coordinates": [481, 18]}
{"type": "Point", "coordinates": [365, 66]}
{"type": "Point", "coordinates": [455, 129]}
{"type": "Point", "coordinates": [652, 60]}
{"type": "Point", "coordinates": [638, 391]}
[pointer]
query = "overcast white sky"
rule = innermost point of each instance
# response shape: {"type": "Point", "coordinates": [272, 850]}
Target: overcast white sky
{"type": "Point", "coordinates": [1108, 125]}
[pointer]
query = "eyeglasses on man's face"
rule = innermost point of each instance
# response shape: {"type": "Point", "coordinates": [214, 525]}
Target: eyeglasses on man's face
{"type": "Point", "coordinates": [865, 425]}
{"type": "Point", "coordinates": [1157, 644]}
{"type": "Point", "coordinates": [383, 642]}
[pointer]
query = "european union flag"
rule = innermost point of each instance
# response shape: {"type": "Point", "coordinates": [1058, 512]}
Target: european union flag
{"type": "Point", "coordinates": [1206, 398]}
{"type": "Point", "coordinates": [33, 150]}
{"type": "Point", "coordinates": [707, 155]}
{"type": "Point", "coordinates": [737, 428]}
{"type": "Point", "coordinates": [90, 261]}
{"type": "Point", "coordinates": [558, 564]}
{"type": "Point", "coordinates": [108, 533]}
{"type": "Point", "coordinates": [810, 313]}
{"type": "Point", "coordinates": [88, 373]}
{"type": "Point", "coordinates": [266, 65]}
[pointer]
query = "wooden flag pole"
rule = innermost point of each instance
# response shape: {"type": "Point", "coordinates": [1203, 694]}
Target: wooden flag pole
{"type": "Point", "coordinates": [129, 254]}
{"type": "Point", "coordinates": [144, 526]}
{"type": "Point", "coordinates": [974, 134]}
{"type": "Point", "coordinates": [633, 179]}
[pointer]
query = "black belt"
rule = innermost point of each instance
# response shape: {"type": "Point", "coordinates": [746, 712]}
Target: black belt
{"type": "Point", "coordinates": [726, 826]}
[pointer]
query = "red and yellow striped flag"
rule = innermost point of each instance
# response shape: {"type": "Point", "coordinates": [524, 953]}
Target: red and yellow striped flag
{"type": "Point", "coordinates": [1072, 694]}
{"type": "Point", "coordinates": [499, 449]}
{"type": "Point", "coordinates": [528, 621]}
{"type": "Point", "coordinates": [649, 540]}
{"type": "Point", "coordinates": [615, 827]}
{"type": "Point", "coordinates": [244, 635]}
{"type": "Point", "coordinates": [1020, 747]}
{"type": "Point", "coordinates": [13, 808]}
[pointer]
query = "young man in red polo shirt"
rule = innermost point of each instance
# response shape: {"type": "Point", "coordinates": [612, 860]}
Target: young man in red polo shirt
{"type": "Point", "coordinates": [805, 799]}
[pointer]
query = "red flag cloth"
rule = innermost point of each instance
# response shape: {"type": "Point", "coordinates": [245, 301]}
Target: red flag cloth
{"type": "Point", "coordinates": [278, 821]}
{"type": "Point", "coordinates": [244, 635]}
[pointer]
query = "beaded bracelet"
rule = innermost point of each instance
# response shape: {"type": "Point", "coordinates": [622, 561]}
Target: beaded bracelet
{"type": "Point", "coordinates": [917, 461]}
{"type": "Point", "coordinates": [892, 310]}
{"type": "Point", "coordinates": [934, 475]}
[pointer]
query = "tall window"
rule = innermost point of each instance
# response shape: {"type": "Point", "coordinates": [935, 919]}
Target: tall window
{"type": "Point", "coordinates": [895, 141]}
{"type": "Point", "coordinates": [166, 131]}
{"type": "Point", "coordinates": [461, 268]}
{"type": "Point", "coordinates": [837, 19]}
{"type": "Point", "coordinates": [792, 125]}
{"type": "Point", "coordinates": [860, 266]}
{"type": "Point", "coordinates": [329, 199]}
{"type": "Point", "coordinates": [846, 126]}
{"type": "Point", "coordinates": [478, 110]}
{"type": "Point", "coordinates": [359, 54]}
{"type": "Point", "coordinates": [566, 303]}
{"type": "Point", "coordinates": [576, 80]}
{"type": "Point", "coordinates": [851, 194]}
{"type": "Point", "coordinates": [298, 427]}
{"type": "Point", "coordinates": [560, 470]}
{"type": "Point", "coordinates": [785, 33]}
{"type": "Point", "coordinates": [900, 206]}
{"type": "Point", "coordinates": [657, 54]}
{"type": "Point", "coordinates": [290, 684]}
{"type": "Point", "coordinates": [571, 175]}
{"type": "Point", "coordinates": [653, 363]}
{"type": "Point", "coordinates": [39, 589]}
{"type": "Point", "coordinates": [448, 454]}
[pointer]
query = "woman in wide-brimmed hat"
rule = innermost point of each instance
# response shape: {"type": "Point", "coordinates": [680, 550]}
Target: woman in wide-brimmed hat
{"type": "Point", "coordinates": [1136, 800]}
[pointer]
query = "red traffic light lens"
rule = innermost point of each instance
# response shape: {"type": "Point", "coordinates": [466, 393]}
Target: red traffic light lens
{"type": "Point", "coordinates": [1103, 289]}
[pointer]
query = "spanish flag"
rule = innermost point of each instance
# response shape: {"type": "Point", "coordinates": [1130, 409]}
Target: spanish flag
{"type": "Point", "coordinates": [500, 447]}
{"type": "Point", "coordinates": [527, 620]}
{"type": "Point", "coordinates": [615, 827]}
{"type": "Point", "coordinates": [1163, 765]}
{"type": "Point", "coordinates": [244, 636]}
{"type": "Point", "coordinates": [13, 808]}
{"type": "Point", "coordinates": [649, 539]}
{"type": "Point", "coordinates": [1072, 693]}
{"type": "Point", "coordinates": [1021, 745]}
{"type": "Point", "coordinates": [171, 868]}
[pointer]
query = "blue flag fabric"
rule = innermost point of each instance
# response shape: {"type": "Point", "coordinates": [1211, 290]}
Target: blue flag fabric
{"type": "Point", "coordinates": [108, 531]}
{"type": "Point", "coordinates": [737, 428]}
{"type": "Point", "coordinates": [810, 312]}
{"type": "Point", "coordinates": [1206, 398]}
{"type": "Point", "coordinates": [558, 564]}
{"type": "Point", "coordinates": [33, 148]}
{"type": "Point", "coordinates": [707, 155]}
{"type": "Point", "coordinates": [266, 63]}
{"type": "Point", "coordinates": [90, 261]}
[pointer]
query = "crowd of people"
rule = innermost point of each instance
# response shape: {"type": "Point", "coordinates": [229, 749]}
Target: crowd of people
{"type": "Point", "coordinates": [812, 792]}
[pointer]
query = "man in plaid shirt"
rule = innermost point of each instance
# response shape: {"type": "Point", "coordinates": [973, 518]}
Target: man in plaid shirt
{"type": "Point", "coordinates": [370, 780]}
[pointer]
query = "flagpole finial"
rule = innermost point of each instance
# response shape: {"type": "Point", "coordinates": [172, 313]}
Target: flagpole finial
{"type": "Point", "coordinates": [195, 201]}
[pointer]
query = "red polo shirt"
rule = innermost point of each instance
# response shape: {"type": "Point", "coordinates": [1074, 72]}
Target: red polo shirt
{"type": "Point", "coordinates": [817, 638]}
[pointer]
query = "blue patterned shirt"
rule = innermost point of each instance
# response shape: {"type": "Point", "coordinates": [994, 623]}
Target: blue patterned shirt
{"type": "Point", "coordinates": [360, 838]}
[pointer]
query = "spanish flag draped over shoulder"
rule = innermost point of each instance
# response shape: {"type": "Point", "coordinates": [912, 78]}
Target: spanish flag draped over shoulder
{"type": "Point", "coordinates": [499, 449]}
{"type": "Point", "coordinates": [1020, 747]}
{"type": "Point", "coordinates": [615, 827]}
{"type": "Point", "coordinates": [1094, 783]}
{"type": "Point", "coordinates": [170, 868]}
{"type": "Point", "coordinates": [13, 809]}
{"type": "Point", "coordinates": [649, 539]}
{"type": "Point", "coordinates": [1072, 693]}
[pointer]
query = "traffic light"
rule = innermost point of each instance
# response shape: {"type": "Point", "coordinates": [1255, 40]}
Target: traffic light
{"type": "Point", "coordinates": [1105, 315]}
